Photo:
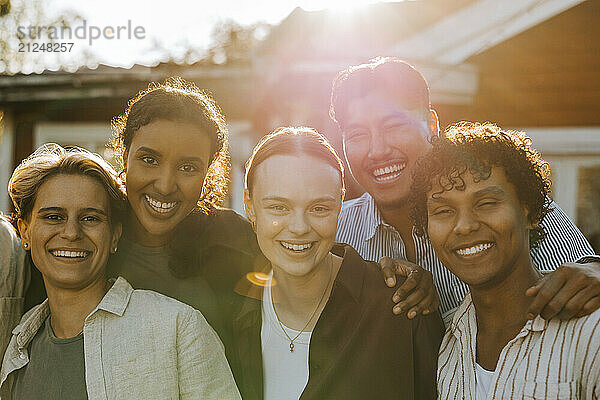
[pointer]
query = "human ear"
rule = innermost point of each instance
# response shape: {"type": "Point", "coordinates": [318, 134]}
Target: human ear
{"type": "Point", "coordinates": [249, 207]}
{"type": "Point", "coordinates": [24, 233]}
{"type": "Point", "coordinates": [434, 123]}
{"type": "Point", "coordinates": [116, 235]}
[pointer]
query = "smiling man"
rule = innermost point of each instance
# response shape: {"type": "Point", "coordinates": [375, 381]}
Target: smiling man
{"type": "Point", "coordinates": [384, 113]}
{"type": "Point", "coordinates": [480, 195]}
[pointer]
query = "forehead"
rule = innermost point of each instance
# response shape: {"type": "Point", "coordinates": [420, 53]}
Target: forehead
{"type": "Point", "coordinates": [296, 177]}
{"type": "Point", "coordinates": [72, 191]}
{"type": "Point", "coordinates": [178, 138]}
{"type": "Point", "coordinates": [379, 103]}
{"type": "Point", "coordinates": [473, 185]}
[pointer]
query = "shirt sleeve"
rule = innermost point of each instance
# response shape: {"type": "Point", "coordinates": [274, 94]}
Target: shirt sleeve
{"type": "Point", "coordinates": [14, 279]}
{"type": "Point", "coordinates": [427, 337]}
{"type": "Point", "coordinates": [202, 367]}
{"type": "Point", "coordinates": [563, 243]}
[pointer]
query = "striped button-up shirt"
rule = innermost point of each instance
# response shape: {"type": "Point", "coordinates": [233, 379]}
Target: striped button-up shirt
{"type": "Point", "coordinates": [546, 360]}
{"type": "Point", "coordinates": [362, 227]}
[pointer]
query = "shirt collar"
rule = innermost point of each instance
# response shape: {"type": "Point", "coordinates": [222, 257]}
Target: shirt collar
{"type": "Point", "coordinates": [352, 270]}
{"type": "Point", "coordinates": [466, 312]}
{"type": "Point", "coordinates": [115, 301]}
{"type": "Point", "coordinates": [372, 216]}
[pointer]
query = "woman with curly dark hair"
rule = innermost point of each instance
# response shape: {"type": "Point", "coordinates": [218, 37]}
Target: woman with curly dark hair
{"type": "Point", "coordinates": [172, 143]}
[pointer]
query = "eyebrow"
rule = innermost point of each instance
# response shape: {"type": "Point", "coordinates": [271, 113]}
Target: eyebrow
{"type": "Point", "coordinates": [144, 149]}
{"type": "Point", "coordinates": [61, 209]}
{"type": "Point", "coordinates": [496, 190]}
{"type": "Point", "coordinates": [490, 190]}
{"type": "Point", "coordinates": [277, 198]}
{"type": "Point", "coordinates": [147, 150]}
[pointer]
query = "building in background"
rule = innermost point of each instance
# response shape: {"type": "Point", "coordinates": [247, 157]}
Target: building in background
{"type": "Point", "coordinates": [527, 64]}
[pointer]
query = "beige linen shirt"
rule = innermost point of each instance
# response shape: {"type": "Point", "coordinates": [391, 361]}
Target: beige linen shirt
{"type": "Point", "coordinates": [546, 360]}
{"type": "Point", "coordinates": [14, 279]}
{"type": "Point", "coordinates": [139, 344]}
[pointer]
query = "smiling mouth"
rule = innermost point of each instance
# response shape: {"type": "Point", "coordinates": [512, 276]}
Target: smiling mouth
{"type": "Point", "coordinates": [474, 250]}
{"type": "Point", "coordinates": [298, 248]}
{"type": "Point", "coordinates": [388, 173]}
{"type": "Point", "coordinates": [160, 206]}
{"type": "Point", "coordinates": [70, 254]}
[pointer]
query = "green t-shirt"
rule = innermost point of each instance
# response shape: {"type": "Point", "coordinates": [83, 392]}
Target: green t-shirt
{"type": "Point", "coordinates": [148, 268]}
{"type": "Point", "coordinates": [56, 368]}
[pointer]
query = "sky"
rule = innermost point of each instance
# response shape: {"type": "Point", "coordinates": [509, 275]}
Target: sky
{"type": "Point", "coordinates": [174, 24]}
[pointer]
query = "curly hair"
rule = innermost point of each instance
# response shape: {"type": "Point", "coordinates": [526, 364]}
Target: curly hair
{"type": "Point", "coordinates": [179, 100]}
{"type": "Point", "coordinates": [476, 148]}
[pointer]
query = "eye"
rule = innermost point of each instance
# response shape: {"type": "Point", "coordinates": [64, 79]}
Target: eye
{"type": "Point", "coordinates": [356, 134]}
{"type": "Point", "coordinates": [441, 212]}
{"type": "Point", "coordinates": [188, 168]}
{"type": "Point", "coordinates": [91, 218]}
{"type": "Point", "coordinates": [320, 209]}
{"type": "Point", "coordinates": [278, 208]}
{"type": "Point", "coordinates": [53, 217]}
{"type": "Point", "coordinates": [149, 160]}
{"type": "Point", "coordinates": [487, 203]}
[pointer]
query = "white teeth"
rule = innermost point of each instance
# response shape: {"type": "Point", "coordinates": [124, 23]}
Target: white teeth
{"type": "Point", "coordinates": [474, 249]}
{"type": "Point", "coordinates": [296, 247]}
{"type": "Point", "coordinates": [69, 254]}
{"type": "Point", "coordinates": [394, 170]}
{"type": "Point", "coordinates": [159, 206]}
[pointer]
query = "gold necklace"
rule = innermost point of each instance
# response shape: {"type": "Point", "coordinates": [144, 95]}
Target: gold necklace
{"type": "Point", "coordinates": [313, 313]}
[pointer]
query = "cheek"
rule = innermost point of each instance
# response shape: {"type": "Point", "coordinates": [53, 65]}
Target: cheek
{"type": "Point", "coordinates": [326, 228]}
{"type": "Point", "coordinates": [437, 232]}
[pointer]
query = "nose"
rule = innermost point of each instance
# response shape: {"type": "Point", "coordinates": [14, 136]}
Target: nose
{"type": "Point", "coordinates": [379, 148]}
{"type": "Point", "coordinates": [72, 229]}
{"type": "Point", "coordinates": [165, 182]}
{"type": "Point", "coordinates": [465, 223]}
{"type": "Point", "coordinates": [298, 224]}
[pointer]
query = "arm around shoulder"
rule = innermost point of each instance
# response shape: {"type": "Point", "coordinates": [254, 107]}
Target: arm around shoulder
{"type": "Point", "coordinates": [202, 367]}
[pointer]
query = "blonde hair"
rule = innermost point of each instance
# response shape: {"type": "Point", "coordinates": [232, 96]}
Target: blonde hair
{"type": "Point", "coordinates": [52, 159]}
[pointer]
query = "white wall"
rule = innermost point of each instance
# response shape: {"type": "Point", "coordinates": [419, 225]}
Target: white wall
{"type": "Point", "coordinates": [567, 149]}
{"type": "Point", "coordinates": [91, 135]}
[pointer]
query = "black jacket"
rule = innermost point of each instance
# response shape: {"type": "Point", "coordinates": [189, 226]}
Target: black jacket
{"type": "Point", "coordinates": [358, 350]}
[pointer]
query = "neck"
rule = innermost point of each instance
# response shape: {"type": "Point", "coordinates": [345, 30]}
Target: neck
{"type": "Point", "coordinates": [135, 232]}
{"type": "Point", "coordinates": [397, 216]}
{"type": "Point", "coordinates": [296, 298]}
{"type": "Point", "coordinates": [503, 305]}
{"type": "Point", "coordinates": [69, 308]}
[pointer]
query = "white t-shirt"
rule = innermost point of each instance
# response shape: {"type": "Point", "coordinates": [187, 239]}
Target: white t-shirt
{"type": "Point", "coordinates": [285, 373]}
{"type": "Point", "coordinates": [484, 380]}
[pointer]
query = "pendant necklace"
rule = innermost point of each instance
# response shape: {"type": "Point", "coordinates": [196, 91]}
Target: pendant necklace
{"type": "Point", "coordinates": [313, 313]}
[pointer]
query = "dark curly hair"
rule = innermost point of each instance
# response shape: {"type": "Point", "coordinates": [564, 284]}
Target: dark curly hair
{"type": "Point", "coordinates": [179, 100]}
{"type": "Point", "coordinates": [476, 148]}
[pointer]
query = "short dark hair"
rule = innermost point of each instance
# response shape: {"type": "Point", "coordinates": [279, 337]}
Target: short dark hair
{"type": "Point", "coordinates": [182, 101]}
{"type": "Point", "coordinates": [384, 74]}
{"type": "Point", "coordinates": [293, 141]}
{"type": "Point", "coordinates": [52, 159]}
{"type": "Point", "coordinates": [475, 148]}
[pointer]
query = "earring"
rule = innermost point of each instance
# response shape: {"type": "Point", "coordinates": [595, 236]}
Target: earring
{"type": "Point", "coordinates": [114, 250]}
{"type": "Point", "coordinates": [25, 245]}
